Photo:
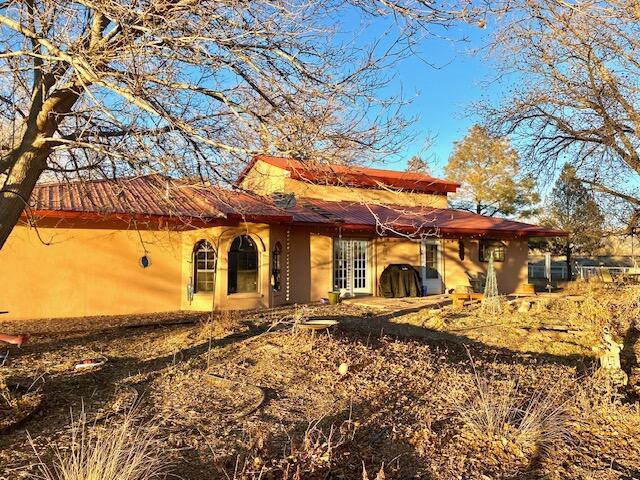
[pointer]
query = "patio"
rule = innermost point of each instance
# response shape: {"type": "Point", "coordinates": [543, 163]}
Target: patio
{"type": "Point", "coordinates": [399, 304]}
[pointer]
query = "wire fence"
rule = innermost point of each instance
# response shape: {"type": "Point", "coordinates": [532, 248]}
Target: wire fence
{"type": "Point", "coordinates": [588, 272]}
{"type": "Point", "coordinates": [558, 272]}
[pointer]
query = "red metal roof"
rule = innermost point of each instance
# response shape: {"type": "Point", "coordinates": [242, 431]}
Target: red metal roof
{"type": "Point", "coordinates": [440, 221]}
{"type": "Point", "coordinates": [151, 195]}
{"type": "Point", "coordinates": [354, 176]}
{"type": "Point", "coordinates": [158, 196]}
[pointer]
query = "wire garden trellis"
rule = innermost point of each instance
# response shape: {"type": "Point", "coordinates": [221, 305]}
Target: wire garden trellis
{"type": "Point", "coordinates": [491, 301]}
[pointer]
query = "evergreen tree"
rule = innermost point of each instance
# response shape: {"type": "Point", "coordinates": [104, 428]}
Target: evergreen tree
{"type": "Point", "coordinates": [488, 171]}
{"type": "Point", "coordinates": [573, 208]}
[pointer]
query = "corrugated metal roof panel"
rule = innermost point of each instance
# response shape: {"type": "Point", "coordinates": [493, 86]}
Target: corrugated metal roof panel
{"type": "Point", "coordinates": [163, 196]}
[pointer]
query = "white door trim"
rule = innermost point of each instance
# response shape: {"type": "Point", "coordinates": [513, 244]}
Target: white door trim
{"type": "Point", "coordinates": [348, 275]}
{"type": "Point", "coordinates": [434, 286]}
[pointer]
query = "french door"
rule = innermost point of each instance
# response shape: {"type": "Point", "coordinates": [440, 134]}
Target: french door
{"type": "Point", "coordinates": [351, 265]}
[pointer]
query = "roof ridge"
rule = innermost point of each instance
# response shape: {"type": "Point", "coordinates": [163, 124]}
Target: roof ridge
{"type": "Point", "coordinates": [355, 168]}
{"type": "Point", "coordinates": [76, 181]}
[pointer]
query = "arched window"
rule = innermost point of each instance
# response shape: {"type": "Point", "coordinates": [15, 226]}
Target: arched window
{"type": "Point", "coordinates": [204, 267]}
{"type": "Point", "coordinates": [243, 266]}
{"type": "Point", "coordinates": [276, 267]}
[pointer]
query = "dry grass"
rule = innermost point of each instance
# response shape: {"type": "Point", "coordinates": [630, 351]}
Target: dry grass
{"type": "Point", "coordinates": [379, 476]}
{"type": "Point", "coordinates": [313, 455]}
{"type": "Point", "coordinates": [17, 404]}
{"type": "Point", "coordinates": [498, 411]}
{"type": "Point", "coordinates": [123, 451]}
{"type": "Point", "coordinates": [419, 404]}
{"type": "Point", "coordinates": [602, 304]}
{"type": "Point", "coordinates": [7, 399]}
{"type": "Point", "coordinates": [220, 324]}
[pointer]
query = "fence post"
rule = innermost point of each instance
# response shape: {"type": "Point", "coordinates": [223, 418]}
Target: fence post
{"type": "Point", "coordinates": [547, 266]}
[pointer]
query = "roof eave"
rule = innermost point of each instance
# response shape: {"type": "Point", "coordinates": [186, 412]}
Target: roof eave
{"type": "Point", "coordinates": [175, 220]}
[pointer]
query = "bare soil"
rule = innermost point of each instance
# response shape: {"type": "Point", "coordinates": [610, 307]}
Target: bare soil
{"type": "Point", "coordinates": [279, 404]}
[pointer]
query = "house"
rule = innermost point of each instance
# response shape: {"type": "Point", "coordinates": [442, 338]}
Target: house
{"type": "Point", "coordinates": [289, 232]}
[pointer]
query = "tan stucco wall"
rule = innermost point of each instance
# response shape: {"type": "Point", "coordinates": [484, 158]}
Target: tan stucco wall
{"type": "Point", "coordinates": [221, 238]}
{"type": "Point", "coordinates": [511, 273]}
{"type": "Point", "coordinates": [95, 271]}
{"type": "Point", "coordinates": [88, 271]}
{"type": "Point", "coordinates": [334, 193]}
{"type": "Point", "coordinates": [266, 179]}
{"type": "Point", "coordinates": [296, 265]}
{"type": "Point", "coordinates": [321, 255]}
{"type": "Point", "coordinates": [382, 252]}
{"type": "Point", "coordinates": [393, 250]}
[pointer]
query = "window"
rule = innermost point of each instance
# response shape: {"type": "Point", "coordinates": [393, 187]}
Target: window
{"type": "Point", "coordinates": [204, 267]}
{"type": "Point", "coordinates": [276, 267]}
{"type": "Point", "coordinates": [431, 261]}
{"type": "Point", "coordinates": [243, 266]}
{"type": "Point", "coordinates": [487, 247]}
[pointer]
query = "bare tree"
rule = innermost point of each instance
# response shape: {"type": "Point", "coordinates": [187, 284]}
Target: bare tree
{"type": "Point", "coordinates": [191, 87]}
{"type": "Point", "coordinates": [577, 89]}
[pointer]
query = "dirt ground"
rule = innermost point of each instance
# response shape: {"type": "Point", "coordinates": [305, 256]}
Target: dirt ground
{"type": "Point", "coordinates": [403, 392]}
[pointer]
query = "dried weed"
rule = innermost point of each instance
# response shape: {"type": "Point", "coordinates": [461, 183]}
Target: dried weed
{"type": "Point", "coordinates": [123, 451]}
{"type": "Point", "coordinates": [220, 324]}
{"type": "Point", "coordinates": [500, 411]}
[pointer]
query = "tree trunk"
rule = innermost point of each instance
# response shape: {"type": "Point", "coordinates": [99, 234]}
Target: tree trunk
{"type": "Point", "coordinates": [17, 188]}
{"type": "Point", "coordinates": [568, 255]}
{"type": "Point", "coordinates": [27, 162]}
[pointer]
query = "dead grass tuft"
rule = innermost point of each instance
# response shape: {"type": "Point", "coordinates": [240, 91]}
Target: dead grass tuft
{"type": "Point", "coordinates": [497, 411]}
{"type": "Point", "coordinates": [220, 324]}
{"type": "Point", "coordinates": [124, 451]}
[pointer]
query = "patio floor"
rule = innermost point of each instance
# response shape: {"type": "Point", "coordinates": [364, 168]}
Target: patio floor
{"type": "Point", "coordinates": [397, 304]}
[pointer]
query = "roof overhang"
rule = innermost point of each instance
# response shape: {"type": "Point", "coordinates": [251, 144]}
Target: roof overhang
{"type": "Point", "coordinates": [184, 221]}
{"type": "Point", "coordinates": [392, 229]}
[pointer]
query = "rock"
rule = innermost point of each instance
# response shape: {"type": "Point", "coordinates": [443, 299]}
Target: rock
{"type": "Point", "coordinates": [524, 307]}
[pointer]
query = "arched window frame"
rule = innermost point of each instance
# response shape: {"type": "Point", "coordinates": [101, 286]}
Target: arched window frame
{"type": "Point", "coordinates": [204, 267]}
{"type": "Point", "coordinates": [276, 267]}
{"type": "Point", "coordinates": [243, 265]}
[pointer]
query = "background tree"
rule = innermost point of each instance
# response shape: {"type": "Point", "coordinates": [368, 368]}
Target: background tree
{"type": "Point", "coordinates": [417, 164]}
{"type": "Point", "coordinates": [488, 171]}
{"type": "Point", "coordinates": [192, 87]}
{"type": "Point", "coordinates": [576, 97]}
{"type": "Point", "coordinates": [573, 208]}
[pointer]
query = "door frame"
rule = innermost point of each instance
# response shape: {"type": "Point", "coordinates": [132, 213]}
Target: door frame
{"type": "Point", "coordinates": [367, 290]}
{"type": "Point", "coordinates": [432, 284]}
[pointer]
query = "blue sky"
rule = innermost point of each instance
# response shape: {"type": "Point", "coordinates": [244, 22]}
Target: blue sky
{"type": "Point", "coordinates": [444, 94]}
{"type": "Point", "coordinates": [444, 79]}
